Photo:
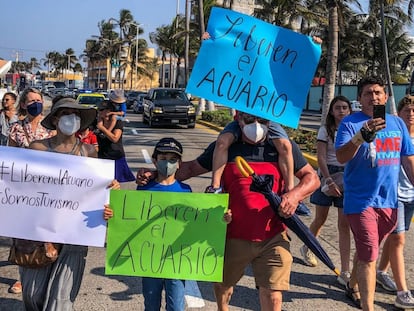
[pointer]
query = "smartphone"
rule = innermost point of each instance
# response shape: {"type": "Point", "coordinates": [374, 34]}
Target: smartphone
{"type": "Point", "coordinates": [379, 112]}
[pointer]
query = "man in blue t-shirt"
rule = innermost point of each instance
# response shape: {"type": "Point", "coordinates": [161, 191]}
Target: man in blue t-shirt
{"type": "Point", "coordinates": [373, 149]}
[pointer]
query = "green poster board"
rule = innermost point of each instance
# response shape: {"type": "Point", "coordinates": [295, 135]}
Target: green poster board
{"type": "Point", "coordinates": [166, 235]}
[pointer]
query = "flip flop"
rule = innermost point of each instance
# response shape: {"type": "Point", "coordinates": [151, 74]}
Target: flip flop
{"type": "Point", "coordinates": [353, 295]}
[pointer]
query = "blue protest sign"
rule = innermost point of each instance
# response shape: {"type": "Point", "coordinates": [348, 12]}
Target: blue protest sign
{"type": "Point", "coordinates": [255, 67]}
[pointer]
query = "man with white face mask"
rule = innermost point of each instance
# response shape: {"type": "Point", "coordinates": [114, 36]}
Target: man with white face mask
{"type": "Point", "coordinates": [256, 234]}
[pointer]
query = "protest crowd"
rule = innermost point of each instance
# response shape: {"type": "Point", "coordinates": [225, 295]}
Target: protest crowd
{"type": "Point", "coordinates": [260, 178]}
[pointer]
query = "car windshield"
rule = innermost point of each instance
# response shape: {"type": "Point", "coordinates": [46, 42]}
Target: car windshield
{"type": "Point", "coordinates": [90, 100]}
{"type": "Point", "coordinates": [169, 94]}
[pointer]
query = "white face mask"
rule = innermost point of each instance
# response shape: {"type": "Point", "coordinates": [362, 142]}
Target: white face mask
{"type": "Point", "coordinates": [255, 131]}
{"type": "Point", "coordinates": [69, 124]}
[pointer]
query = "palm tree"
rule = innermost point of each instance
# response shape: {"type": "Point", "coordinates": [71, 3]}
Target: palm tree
{"type": "Point", "coordinates": [33, 64]}
{"type": "Point", "coordinates": [162, 37]}
{"type": "Point", "coordinates": [390, 9]}
{"type": "Point", "coordinates": [70, 58]}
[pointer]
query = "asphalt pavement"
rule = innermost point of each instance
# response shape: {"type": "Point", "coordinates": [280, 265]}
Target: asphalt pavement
{"type": "Point", "coordinates": [311, 288]}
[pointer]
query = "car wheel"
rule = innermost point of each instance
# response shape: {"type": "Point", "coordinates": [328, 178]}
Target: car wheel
{"type": "Point", "coordinates": [144, 119]}
{"type": "Point", "coordinates": [191, 125]}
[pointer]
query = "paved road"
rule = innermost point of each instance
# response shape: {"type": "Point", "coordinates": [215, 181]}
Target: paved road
{"type": "Point", "coordinates": [311, 288]}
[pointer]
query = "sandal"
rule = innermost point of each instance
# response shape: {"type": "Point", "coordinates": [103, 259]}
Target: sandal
{"type": "Point", "coordinates": [16, 288]}
{"type": "Point", "coordinates": [353, 294]}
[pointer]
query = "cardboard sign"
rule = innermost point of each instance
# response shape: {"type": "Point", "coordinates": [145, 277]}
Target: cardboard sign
{"type": "Point", "coordinates": [53, 197]}
{"type": "Point", "coordinates": [255, 67]}
{"type": "Point", "coordinates": [171, 235]}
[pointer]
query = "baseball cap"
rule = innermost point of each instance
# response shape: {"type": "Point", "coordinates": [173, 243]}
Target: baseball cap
{"type": "Point", "coordinates": [169, 144]}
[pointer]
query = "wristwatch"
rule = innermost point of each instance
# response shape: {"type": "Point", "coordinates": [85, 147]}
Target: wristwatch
{"type": "Point", "coordinates": [211, 189]}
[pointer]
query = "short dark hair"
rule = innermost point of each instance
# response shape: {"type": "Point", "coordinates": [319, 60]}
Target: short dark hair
{"type": "Point", "coordinates": [370, 80]}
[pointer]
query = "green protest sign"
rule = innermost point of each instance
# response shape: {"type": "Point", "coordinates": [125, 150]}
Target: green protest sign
{"type": "Point", "coordinates": [166, 235]}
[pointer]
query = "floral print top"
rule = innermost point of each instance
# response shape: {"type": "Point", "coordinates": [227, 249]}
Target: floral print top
{"type": "Point", "coordinates": [22, 133]}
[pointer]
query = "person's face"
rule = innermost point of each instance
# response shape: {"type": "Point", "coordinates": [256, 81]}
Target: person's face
{"type": "Point", "coordinates": [31, 98]}
{"type": "Point", "coordinates": [247, 120]}
{"type": "Point", "coordinates": [407, 114]}
{"type": "Point", "coordinates": [102, 113]}
{"type": "Point", "coordinates": [8, 101]}
{"type": "Point", "coordinates": [65, 112]}
{"type": "Point", "coordinates": [169, 156]}
{"type": "Point", "coordinates": [372, 94]}
{"type": "Point", "coordinates": [340, 110]}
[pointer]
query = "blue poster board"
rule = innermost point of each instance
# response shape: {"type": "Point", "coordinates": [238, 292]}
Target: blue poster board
{"type": "Point", "coordinates": [255, 67]}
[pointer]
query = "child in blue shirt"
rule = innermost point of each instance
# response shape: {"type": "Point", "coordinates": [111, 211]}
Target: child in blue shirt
{"type": "Point", "coordinates": [167, 159]}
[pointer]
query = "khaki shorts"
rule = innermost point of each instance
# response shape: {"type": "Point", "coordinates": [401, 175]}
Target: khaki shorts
{"type": "Point", "coordinates": [271, 261]}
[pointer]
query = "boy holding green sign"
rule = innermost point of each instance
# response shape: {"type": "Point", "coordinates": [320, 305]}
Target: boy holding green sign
{"type": "Point", "coordinates": [166, 158]}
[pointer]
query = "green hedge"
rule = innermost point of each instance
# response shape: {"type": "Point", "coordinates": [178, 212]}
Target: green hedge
{"type": "Point", "coordinates": [219, 117]}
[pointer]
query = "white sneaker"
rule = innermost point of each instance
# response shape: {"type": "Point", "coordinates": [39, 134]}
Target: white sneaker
{"type": "Point", "coordinates": [308, 257]}
{"type": "Point", "coordinates": [344, 278]}
{"type": "Point", "coordinates": [404, 301]}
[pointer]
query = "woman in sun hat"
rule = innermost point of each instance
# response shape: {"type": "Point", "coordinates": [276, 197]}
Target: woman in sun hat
{"type": "Point", "coordinates": [56, 286]}
{"type": "Point", "coordinates": [110, 141]}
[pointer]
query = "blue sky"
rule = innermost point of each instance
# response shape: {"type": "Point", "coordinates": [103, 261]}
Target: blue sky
{"type": "Point", "coordinates": [31, 28]}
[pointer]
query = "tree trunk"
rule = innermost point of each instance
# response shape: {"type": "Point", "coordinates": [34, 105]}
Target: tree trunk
{"type": "Point", "coordinates": [202, 102]}
{"type": "Point", "coordinates": [332, 59]}
{"type": "Point", "coordinates": [393, 109]}
{"type": "Point", "coordinates": [187, 40]}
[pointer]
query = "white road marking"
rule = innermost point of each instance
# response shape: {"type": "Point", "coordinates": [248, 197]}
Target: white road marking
{"type": "Point", "coordinates": [192, 295]}
{"type": "Point", "coordinates": [146, 155]}
{"type": "Point", "coordinates": [134, 131]}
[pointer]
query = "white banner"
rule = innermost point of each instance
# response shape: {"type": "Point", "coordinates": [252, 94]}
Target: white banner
{"type": "Point", "coordinates": [53, 197]}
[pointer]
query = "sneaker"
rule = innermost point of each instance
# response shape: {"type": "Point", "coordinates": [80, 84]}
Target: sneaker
{"type": "Point", "coordinates": [308, 257]}
{"type": "Point", "coordinates": [344, 278]}
{"type": "Point", "coordinates": [303, 210]}
{"type": "Point", "coordinates": [387, 283]}
{"type": "Point", "coordinates": [404, 301]}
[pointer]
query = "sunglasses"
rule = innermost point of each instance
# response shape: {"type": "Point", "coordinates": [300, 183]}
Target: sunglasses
{"type": "Point", "coordinates": [247, 119]}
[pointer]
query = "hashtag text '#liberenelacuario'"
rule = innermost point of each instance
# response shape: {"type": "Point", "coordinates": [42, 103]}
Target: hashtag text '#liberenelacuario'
{"type": "Point", "coordinates": [15, 174]}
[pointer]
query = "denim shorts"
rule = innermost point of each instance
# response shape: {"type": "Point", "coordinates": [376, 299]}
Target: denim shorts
{"type": "Point", "coordinates": [405, 214]}
{"type": "Point", "coordinates": [321, 199]}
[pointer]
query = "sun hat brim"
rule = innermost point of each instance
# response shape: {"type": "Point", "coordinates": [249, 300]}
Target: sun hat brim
{"type": "Point", "coordinates": [87, 114]}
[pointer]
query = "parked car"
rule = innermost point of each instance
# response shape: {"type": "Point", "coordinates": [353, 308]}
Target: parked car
{"type": "Point", "coordinates": [137, 105]}
{"type": "Point", "coordinates": [131, 96]}
{"type": "Point", "coordinates": [90, 99]}
{"type": "Point", "coordinates": [168, 106]}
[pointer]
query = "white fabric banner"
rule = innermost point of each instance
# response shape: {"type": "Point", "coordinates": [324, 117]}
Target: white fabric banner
{"type": "Point", "coordinates": [53, 197]}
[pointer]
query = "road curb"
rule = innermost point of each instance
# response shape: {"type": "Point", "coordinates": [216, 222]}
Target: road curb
{"type": "Point", "coordinates": [312, 160]}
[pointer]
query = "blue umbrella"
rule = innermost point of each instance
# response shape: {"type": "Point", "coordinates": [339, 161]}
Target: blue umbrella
{"type": "Point", "coordinates": [264, 185]}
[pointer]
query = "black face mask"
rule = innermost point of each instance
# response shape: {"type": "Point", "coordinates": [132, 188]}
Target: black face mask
{"type": "Point", "coordinates": [35, 109]}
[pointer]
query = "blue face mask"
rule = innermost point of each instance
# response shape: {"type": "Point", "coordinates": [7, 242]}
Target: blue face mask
{"type": "Point", "coordinates": [35, 109]}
